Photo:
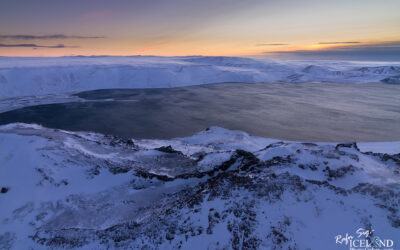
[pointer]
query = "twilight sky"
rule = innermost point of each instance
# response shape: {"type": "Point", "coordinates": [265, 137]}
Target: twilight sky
{"type": "Point", "coordinates": [193, 27]}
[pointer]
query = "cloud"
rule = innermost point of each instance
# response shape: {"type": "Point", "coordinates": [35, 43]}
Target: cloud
{"type": "Point", "coordinates": [271, 44]}
{"type": "Point", "coordinates": [45, 37]}
{"type": "Point", "coordinates": [369, 51]}
{"type": "Point", "coordinates": [32, 45]}
{"type": "Point", "coordinates": [338, 42]}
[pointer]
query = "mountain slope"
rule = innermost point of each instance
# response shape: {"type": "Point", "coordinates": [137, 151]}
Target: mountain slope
{"type": "Point", "coordinates": [217, 189]}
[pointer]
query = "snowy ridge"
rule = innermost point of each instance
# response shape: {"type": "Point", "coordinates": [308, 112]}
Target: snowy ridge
{"type": "Point", "coordinates": [41, 76]}
{"type": "Point", "coordinates": [217, 189]}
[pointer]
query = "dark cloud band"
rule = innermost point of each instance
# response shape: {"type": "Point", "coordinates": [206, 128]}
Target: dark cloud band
{"type": "Point", "coordinates": [55, 36]}
{"type": "Point", "coordinates": [369, 51]}
{"type": "Point", "coordinates": [32, 45]}
{"type": "Point", "coordinates": [338, 42]}
{"type": "Point", "coordinates": [271, 44]}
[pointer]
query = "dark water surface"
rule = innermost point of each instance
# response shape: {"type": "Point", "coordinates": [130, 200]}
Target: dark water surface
{"type": "Point", "coordinates": [304, 112]}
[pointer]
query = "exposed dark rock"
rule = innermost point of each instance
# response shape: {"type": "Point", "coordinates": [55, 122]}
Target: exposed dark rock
{"type": "Point", "coordinates": [151, 175]}
{"type": "Point", "coordinates": [119, 169]}
{"type": "Point", "coordinates": [4, 190]}
{"type": "Point", "coordinates": [340, 172]}
{"type": "Point", "coordinates": [347, 145]}
{"type": "Point", "coordinates": [392, 79]}
{"type": "Point", "coordinates": [275, 145]}
{"type": "Point", "coordinates": [309, 144]}
{"type": "Point", "coordinates": [168, 149]}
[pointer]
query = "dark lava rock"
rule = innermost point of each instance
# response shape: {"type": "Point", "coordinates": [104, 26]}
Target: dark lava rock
{"type": "Point", "coordinates": [168, 149]}
{"type": "Point", "coordinates": [119, 170]}
{"type": "Point", "coordinates": [130, 142]}
{"type": "Point", "coordinates": [275, 145]}
{"type": "Point", "coordinates": [392, 80]}
{"type": "Point", "coordinates": [340, 172]}
{"type": "Point", "coordinates": [347, 145]}
{"type": "Point", "coordinates": [309, 144]}
{"type": "Point", "coordinates": [148, 175]}
{"type": "Point", "coordinates": [4, 190]}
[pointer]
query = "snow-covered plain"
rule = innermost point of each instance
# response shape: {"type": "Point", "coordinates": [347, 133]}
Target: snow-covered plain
{"type": "Point", "coordinates": [42, 76]}
{"type": "Point", "coordinates": [218, 189]}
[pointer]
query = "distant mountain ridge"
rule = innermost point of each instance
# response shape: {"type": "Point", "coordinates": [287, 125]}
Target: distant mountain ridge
{"type": "Point", "coordinates": [41, 76]}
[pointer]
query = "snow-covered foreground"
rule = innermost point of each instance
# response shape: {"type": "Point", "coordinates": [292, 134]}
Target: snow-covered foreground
{"type": "Point", "coordinates": [41, 76]}
{"type": "Point", "coordinates": [217, 189]}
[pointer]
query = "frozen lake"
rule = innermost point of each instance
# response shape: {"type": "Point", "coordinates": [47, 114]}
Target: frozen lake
{"type": "Point", "coordinates": [301, 112]}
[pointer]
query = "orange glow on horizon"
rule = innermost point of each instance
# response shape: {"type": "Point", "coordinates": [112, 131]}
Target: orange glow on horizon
{"type": "Point", "coordinates": [173, 49]}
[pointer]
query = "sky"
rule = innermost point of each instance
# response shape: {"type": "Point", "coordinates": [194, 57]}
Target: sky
{"type": "Point", "coordinates": [309, 28]}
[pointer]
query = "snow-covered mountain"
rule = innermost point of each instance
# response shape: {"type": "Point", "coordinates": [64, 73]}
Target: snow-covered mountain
{"type": "Point", "coordinates": [218, 189]}
{"type": "Point", "coordinates": [41, 76]}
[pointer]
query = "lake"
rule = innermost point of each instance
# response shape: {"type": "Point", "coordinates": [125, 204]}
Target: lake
{"type": "Point", "coordinates": [301, 112]}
